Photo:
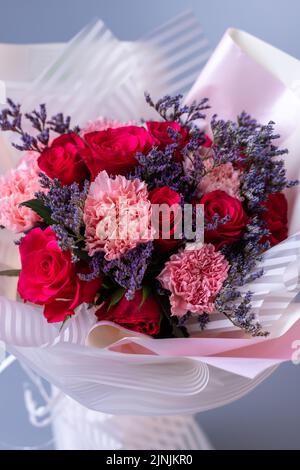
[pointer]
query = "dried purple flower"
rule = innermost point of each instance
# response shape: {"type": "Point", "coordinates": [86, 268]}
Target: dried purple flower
{"type": "Point", "coordinates": [128, 271]}
{"type": "Point", "coordinates": [159, 168]}
{"type": "Point", "coordinates": [66, 204]}
{"type": "Point", "coordinates": [11, 120]}
{"type": "Point", "coordinates": [171, 109]}
{"type": "Point", "coordinates": [250, 145]}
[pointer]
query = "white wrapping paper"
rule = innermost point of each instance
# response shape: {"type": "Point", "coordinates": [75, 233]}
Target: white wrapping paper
{"type": "Point", "coordinates": [137, 374]}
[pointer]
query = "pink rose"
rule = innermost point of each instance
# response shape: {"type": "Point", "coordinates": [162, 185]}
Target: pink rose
{"type": "Point", "coordinates": [114, 150]}
{"type": "Point", "coordinates": [136, 315]}
{"type": "Point", "coordinates": [275, 218]}
{"type": "Point", "coordinates": [221, 204]}
{"type": "Point", "coordinates": [159, 131]}
{"type": "Point", "coordinates": [166, 196]}
{"type": "Point", "coordinates": [62, 160]}
{"type": "Point", "coordinates": [48, 277]}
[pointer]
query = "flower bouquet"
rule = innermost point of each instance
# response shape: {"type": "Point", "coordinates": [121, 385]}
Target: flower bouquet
{"type": "Point", "coordinates": [101, 211]}
{"type": "Point", "coordinates": [159, 257]}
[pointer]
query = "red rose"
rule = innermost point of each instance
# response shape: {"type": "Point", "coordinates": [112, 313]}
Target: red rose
{"type": "Point", "coordinates": [276, 218]}
{"type": "Point", "coordinates": [114, 150]}
{"type": "Point", "coordinates": [166, 231]}
{"type": "Point", "coordinates": [48, 276]}
{"type": "Point", "coordinates": [220, 203]}
{"type": "Point", "coordinates": [62, 160]}
{"type": "Point", "coordinates": [159, 131]}
{"type": "Point", "coordinates": [133, 314]}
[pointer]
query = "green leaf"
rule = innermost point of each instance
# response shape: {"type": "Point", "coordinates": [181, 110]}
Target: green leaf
{"type": "Point", "coordinates": [146, 290]}
{"type": "Point", "coordinates": [116, 297]}
{"type": "Point", "coordinates": [83, 255]}
{"type": "Point", "coordinates": [10, 272]}
{"type": "Point", "coordinates": [38, 207]}
{"type": "Point", "coordinates": [171, 322]}
{"type": "Point", "coordinates": [105, 285]}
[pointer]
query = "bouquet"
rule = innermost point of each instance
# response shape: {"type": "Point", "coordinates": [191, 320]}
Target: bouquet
{"type": "Point", "coordinates": [112, 216]}
{"type": "Point", "coordinates": [159, 256]}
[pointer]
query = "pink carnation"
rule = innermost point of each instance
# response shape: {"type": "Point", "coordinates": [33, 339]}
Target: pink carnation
{"type": "Point", "coordinates": [224, 178]}
{"type": "Point", "coordinates": [101, 124]}
{"type": "Point", "coordinates": [194, 277]}
{"type": "Point", "coordinates": [117, 215]}
{"type": "Point", "coordinates": [17, 186]}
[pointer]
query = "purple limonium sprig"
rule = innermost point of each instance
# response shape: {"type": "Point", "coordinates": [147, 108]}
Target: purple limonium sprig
{"type": "Point", "coordinates": [59, 123]}
{"type": "Point", "coordinates": [216, 221]}
{"type": "Point", "coordinates": [128, 270]}
{"type": "Point", "coordinates": [170, 108]}
{"type": "Point", "coordinates": [192, 152]}
{"type": "Point", "coordinates": [250, 145]}
{"type": "Point", "coordinates": [203, 320]}
{"type": "Point", "coordinates": [66, 204]}
{"type": "Point", "coordinates": [182, 321]}
{"type": "Point", "coordinates": [12, 119]}
{"type": "Point", "coordinates": [95, 264]}
{"type": "Point", "coordinates": [64, 239]}
{"type": "Point", "coordinates": [243, 317]}
{"type": "Point", "coordinates": [159, 168]}
{"type": "Point", "coordinates": [243, 257]}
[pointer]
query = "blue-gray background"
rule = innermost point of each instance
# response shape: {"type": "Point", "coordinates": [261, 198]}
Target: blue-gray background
{"type": "Point", "coordinates": [269, 417]}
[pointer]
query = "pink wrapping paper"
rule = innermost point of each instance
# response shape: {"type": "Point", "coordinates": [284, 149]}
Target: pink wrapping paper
{"type": "Point", "coordinates": [234, 81]}
{"type": "Point", "coordinates": [246, 357]}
